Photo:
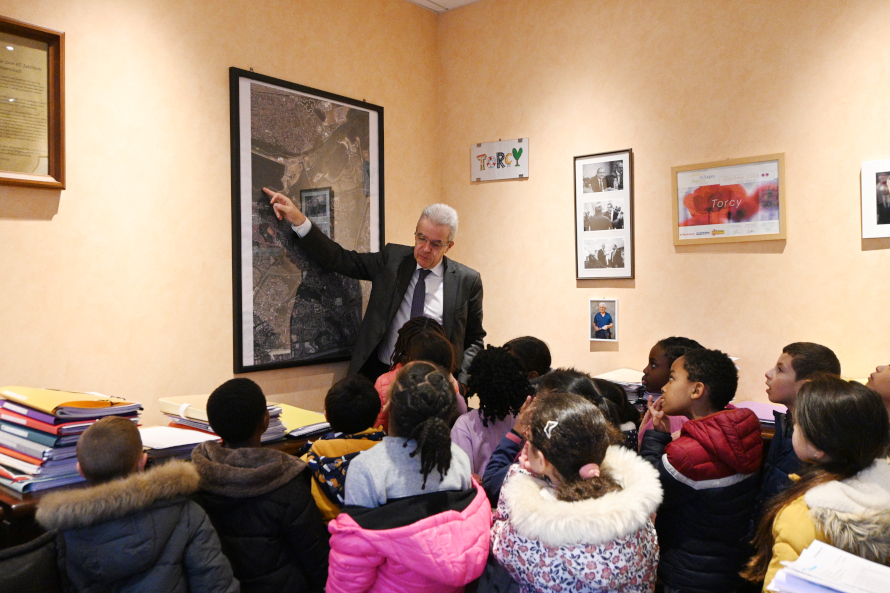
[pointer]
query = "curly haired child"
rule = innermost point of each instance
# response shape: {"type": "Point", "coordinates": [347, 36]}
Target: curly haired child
{"type": "Point", "coordinates": [661, 356]}
{"type": "Point", "coordinates": [499, 380]}
{"type": "Point", "coordinates": [709, 474]}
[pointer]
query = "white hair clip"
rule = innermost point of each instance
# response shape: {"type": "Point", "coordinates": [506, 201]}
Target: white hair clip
{"type": "Point", "coordinates": [548, 428]}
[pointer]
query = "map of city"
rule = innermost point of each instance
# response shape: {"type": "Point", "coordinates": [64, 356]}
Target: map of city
{"type": "Point", "coordinates": [300, 143]}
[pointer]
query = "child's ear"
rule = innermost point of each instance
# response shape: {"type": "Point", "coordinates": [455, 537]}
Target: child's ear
{"type": "Point", "coordinates": [79, 470]}
{"type": "Point", "coordinates": [698, 390]}
{"type": "Point", "coordinates": [142, 461]}
{"type": "Point", "coordinates": [266, 420]}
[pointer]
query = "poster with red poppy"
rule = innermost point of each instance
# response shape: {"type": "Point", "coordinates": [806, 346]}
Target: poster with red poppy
{"type": "Point", "coordinates": [876, 199]}
{"type": "Point", "coordinates": [604, 215]}
{"type": "Point", "coordinates": [729, 201]}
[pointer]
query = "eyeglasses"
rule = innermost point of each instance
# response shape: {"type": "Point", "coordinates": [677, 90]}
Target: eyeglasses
{"type": "Point", "coordinates": [421, 239]}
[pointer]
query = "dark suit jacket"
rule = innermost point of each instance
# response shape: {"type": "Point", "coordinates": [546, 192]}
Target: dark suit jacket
{"type": "Point", "coordinates": [390, 272]}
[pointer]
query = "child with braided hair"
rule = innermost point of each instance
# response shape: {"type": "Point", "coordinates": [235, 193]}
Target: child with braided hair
{"type": "Point", "coordinates": [574, 512]}
{"type": "Point", "coordinates": [414, 520]}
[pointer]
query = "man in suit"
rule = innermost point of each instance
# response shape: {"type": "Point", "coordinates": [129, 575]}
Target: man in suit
{"type": "Point", "coordinates": [599, 183]}
{"type": "Point", "coordinates": [405, 282]}
{"type": "Point", "coordinates": [615, 258]}
{"type": "Point", "coordinates": [601, 255]}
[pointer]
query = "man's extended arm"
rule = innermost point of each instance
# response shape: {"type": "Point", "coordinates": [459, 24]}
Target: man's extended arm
{"type": "Point", "coordinates": [327, 253]}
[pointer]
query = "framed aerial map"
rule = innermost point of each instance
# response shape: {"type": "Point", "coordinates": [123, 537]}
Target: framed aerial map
{"type": "Point", "coordinates": [325, 152]}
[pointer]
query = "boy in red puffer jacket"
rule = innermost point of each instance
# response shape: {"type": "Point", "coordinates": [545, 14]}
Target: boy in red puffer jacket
{"type": "Point", "coordinates": [709, 474]}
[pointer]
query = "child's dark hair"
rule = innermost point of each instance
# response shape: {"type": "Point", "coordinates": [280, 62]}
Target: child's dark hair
{"type": "Point", "coordinates": [533, 354]}
{"type": "Point", "coordinates": [422, 403]}
{"type": "Point", "coordinates": [848, 422]}
{"type": "Point", "coordinates": [497, 377]}
{"type": "Point", "coordinates": [676, 346]}
{"type": "Point", "coordinates": [569, 380]}
{"type": "Point", "coordinates": [235, 409]}
{"type": "Point", "coordinates": [352, 405]}
{"type": "Point", "coordinates": [579, 436]}
{"type": "Point", "coordinates": [808, 358]}
{"type": "Point", "coordinates": [411, 328]}
{"type": "Point", "coordinates": [432, 347]}
{"type": "Point", "coordinates": [616, 394]}
{"type": "Point", "coordinates": [716, 370]}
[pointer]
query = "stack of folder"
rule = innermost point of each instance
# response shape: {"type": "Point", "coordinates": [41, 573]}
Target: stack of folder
{"type": "Point", "coordinates": [39, 429]}
{"type": "Point", "coordinates": [190, 411]}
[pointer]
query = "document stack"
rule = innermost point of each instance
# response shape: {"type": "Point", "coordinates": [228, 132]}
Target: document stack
{"type": "Point", "coordinates": [166, 442]}
{"type": "Point", "coordinates": [39, 429]}
{"type": "Point", "coordinates": [190, 411]}
{"type": "Point", "coordinates": [822, 569]}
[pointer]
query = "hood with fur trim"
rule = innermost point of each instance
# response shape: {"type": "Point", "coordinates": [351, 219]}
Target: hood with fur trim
{"type": "Point", "coordinates": [245, 472]}
{"type": "Point", "coordinates": [73, 509]}
{"type": "Point", "coordinates": [537, 515]}
{"type": "Point", "coordinates": [854, 514]}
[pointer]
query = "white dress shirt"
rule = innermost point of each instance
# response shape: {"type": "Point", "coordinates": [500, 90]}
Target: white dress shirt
{"type": "Point", "coordinates": [433, 306]}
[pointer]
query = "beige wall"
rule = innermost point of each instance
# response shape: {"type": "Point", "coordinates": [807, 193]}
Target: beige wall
{"type": "Point", "coordinates": [122, 282]}
{"type": "Point", "coordinates": [678, 82]}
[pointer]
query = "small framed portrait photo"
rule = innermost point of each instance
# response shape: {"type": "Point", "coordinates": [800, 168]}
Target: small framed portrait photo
{"type": "Point", "coordinates": [876, 199]}
{"type": "Point", "coordinates": [603, 320]}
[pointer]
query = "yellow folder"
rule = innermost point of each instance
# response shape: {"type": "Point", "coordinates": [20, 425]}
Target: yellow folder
{"type": "Point", "coordinates": [66, 403]}
{"type": "Point", "coordinates": [294, 418]}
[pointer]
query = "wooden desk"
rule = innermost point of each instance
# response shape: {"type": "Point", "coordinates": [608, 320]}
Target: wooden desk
{"type": "Point", "coordinates": [17, 524]}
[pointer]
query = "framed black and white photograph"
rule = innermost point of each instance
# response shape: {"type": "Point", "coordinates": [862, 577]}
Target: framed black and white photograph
{"type": "Point", "coordinates": [603, 320]}
{"type": "Point", "coordinates": [876, 199]}
{"type": "Point", "coordinates": [325, 152]}
{"type": "Point", "coordinates": [604, 215]}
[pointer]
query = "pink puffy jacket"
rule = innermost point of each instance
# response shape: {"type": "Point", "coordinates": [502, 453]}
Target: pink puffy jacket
{"type": "Point", "coordinates": [439, 553]}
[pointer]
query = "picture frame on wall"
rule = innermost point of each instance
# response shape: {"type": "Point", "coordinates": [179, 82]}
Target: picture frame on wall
{"type": "Point", "coordinates": [729, 201]}
{"type": "Point", "coordinates": [32, 142]}
{"type": "Point", "coordinates": [325, 152]}
{"type": "Point", "coordinates": [604, 215]}
{"type": "Point", "coordinates": [603, 320]}
{"type": "Point", "coordinates": [876, 199]}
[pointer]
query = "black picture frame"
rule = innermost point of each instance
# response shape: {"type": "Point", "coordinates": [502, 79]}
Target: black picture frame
{"type": "Point", "coordinates": [604, 246]}
{"type": "Point", "coordinates": [299, 141]}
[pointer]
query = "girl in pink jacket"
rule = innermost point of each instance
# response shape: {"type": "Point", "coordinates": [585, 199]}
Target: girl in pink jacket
{"type": "Point", "coordinates": [414, 520]}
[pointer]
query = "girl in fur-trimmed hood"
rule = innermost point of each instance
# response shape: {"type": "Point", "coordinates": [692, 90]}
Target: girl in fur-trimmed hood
{"type": "Point", "coordinates": [574, 513]}
{"type": "Point", "coordinates": [843, 495]}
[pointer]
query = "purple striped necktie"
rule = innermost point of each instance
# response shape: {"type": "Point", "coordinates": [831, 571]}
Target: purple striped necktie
{"type": "Point", "coordinates": [417, 300]}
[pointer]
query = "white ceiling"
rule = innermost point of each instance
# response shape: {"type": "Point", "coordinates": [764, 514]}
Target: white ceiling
{"type": "Point", "coordinates": [441, 6]}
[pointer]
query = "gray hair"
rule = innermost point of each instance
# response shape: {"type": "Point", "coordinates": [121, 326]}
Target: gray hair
{"type": "Point", "coordinates": [441, 215]}
{"type": "Point", "coordinates": [601, 305]}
